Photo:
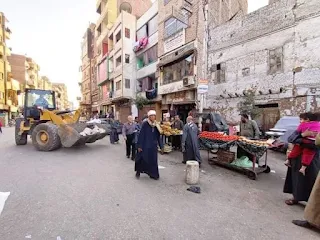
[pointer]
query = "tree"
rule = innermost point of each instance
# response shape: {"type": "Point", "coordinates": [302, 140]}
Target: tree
{"type": "Point", "coordinates": [248, 105]}
{"type": "Point", "coordinates": [141, 102]}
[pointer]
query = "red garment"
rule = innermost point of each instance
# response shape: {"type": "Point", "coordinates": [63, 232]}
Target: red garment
{"type": "Point", "coordinates": [0, 124]}
{"type": "Point", "coordinates": [307, 154]}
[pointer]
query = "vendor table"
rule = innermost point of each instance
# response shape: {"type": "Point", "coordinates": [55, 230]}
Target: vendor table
{"type": "Point", "coordinates": [255, 151]}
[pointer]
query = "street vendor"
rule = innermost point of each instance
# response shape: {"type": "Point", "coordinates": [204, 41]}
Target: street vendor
{"type": "Point", "coordinates": [176, 140]}
{"type": "Point", "coordinates": [249, 129]}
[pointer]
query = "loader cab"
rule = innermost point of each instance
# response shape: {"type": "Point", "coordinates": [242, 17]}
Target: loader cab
{"type": "Point", "coordinates": [35, 100]}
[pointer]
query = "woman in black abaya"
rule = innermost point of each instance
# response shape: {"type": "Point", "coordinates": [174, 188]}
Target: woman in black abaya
{"type": "Point", "coordinates": [298, 185]}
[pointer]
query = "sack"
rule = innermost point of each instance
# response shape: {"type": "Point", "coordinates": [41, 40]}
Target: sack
{"type": "Point", "coordinates": [294, 138]}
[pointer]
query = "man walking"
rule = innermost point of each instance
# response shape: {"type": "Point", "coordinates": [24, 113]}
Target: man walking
{"type": "Point", "coordinates": [148, 141]}
{"type": "Point", "coordinates": [128, 132]}
{"type": "Point", "coordinates": [0, 127]}
{"type": "Point", "coordinates": [190, 143]}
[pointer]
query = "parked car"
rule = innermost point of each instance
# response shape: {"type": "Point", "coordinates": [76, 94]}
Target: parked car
{"type": "Point", "coordinates": [281, 131]}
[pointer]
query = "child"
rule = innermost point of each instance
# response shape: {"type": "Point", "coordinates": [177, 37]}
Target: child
{"type": "Point", "coordinates": [309, 121]}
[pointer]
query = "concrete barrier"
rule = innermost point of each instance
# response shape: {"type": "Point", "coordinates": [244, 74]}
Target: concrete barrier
{"type": "Point", "coordinates": [192, 173]}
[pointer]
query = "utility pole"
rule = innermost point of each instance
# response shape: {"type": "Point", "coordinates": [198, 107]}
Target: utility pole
{"type": "Point", "coordinates": [205, 57]}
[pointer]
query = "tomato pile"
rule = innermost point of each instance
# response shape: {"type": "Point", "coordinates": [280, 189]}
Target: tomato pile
{"type": "Point", "coordinates": [218, 136]}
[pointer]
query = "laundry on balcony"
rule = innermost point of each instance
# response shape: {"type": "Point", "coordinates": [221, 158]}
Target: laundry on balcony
{"type": "Point", "coordinates": [151, 94]}
{"type": "Point", "coordinates": [141, 44]}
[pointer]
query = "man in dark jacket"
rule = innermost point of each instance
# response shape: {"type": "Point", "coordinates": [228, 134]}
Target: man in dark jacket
{"type": "Point", "coordinates": [176, 140]}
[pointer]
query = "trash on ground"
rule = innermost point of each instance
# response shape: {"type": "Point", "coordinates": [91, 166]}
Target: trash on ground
{"type": "Point", "coordinates": [194, 189]}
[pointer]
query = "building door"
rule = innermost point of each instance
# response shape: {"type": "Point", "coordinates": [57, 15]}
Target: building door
{"type": "Point", "coordinates": [269, 116]}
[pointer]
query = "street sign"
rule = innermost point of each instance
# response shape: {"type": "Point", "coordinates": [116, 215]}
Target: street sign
{"type": "Point", "coordinates": [202, 86]}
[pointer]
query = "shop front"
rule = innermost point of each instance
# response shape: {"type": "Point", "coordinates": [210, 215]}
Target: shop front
{"type": "Point", "coordinates": [179, 103]}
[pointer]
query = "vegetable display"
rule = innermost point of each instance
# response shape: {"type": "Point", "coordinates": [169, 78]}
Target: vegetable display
{"type": "Point", "coordinates": [218, 136]}
{"type": "Point", "coordinates": [168, 131]}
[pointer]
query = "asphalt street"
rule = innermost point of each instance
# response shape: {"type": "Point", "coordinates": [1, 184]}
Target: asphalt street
{"type": "Point", "coordinates": [92, 193]}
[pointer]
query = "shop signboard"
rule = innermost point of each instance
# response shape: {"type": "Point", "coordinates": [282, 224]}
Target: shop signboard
{"type": "Point", "coordinates": [203, 86]}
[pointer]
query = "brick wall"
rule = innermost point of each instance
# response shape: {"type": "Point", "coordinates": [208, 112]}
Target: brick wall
{"type": "Point", "coordinates": [18, 67]}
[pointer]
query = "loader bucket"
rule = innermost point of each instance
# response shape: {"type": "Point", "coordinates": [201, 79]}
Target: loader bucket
{"type": "Point", "coordinates": [80, 133]}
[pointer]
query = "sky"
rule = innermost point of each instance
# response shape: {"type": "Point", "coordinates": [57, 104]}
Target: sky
{"type": "Point", "coordinates": [50, 32]}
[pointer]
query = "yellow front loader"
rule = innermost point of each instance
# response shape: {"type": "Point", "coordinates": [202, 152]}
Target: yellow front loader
{"type": "Point", "coordinates": [50, 128]}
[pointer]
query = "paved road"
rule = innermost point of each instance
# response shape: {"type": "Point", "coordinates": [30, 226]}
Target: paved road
{"type": "Point", "coordinates": [91, 193]}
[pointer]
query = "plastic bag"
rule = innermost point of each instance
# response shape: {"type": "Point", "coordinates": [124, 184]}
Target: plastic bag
{"type": "Point", "coordinates": [243, 162]}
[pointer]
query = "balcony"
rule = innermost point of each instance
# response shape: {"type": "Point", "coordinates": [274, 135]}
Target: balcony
{"type": "Point", "coordinates": [147, 70]}
{"type": "Point", "coordinates": [100, 4]}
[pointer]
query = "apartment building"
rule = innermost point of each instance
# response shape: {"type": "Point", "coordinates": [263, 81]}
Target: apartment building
{"type": "Point", "coordinates": [25, 70]}
{"type": "Point", "coordinates": [8, 86]}
{"type": "Point", "coordinates": [146, 51]}
{"type": "Point", "coordinates": [62, 102]}
{"type": "Point", "coordinates": [87, 69]}
{"type": "Point", "coordinates": [182, 57]}
{"type": "Point", "coordinates": [111, 34]}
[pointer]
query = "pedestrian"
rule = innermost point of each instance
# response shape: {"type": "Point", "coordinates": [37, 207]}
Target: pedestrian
{"type": "Point", "coordinates": [190, 142]}
{"type": "Point", "coordinates": [312, 210]}
{"type": "Point", "coordinates": [248, 128]}
{"type": "Point", "coordinates": [0, 127]}
{"type": "Point", "coordinates": [176, 140]}
{"type": "Point", "coordinates": [308, 122]}
{"type": "Point", "coordinates": [297, 184]}
{"type": "Point", "coordinates": [148, 141]}
{"type": "Point", "coordinates": [114, 135]}
{"type": "Point", "coordinates": [129, 132]}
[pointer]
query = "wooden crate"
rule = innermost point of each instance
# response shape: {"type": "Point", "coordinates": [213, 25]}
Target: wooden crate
{"type": "Point", "coordinates": [225, 156]}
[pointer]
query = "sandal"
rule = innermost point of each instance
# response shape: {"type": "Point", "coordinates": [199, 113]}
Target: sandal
{"type": "Point", "coordinates": [291, 202]}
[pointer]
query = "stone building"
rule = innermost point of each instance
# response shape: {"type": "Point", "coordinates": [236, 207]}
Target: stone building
{"type": "Point", "coordinates": [181, 32]}
{"type": "Point", "coordinates": [272, 52]}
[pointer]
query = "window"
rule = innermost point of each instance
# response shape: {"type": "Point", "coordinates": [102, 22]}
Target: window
{"type": "Point", "coordinates": [218, 72]}
{"type": "Point", "coordinates": [152, 26]}
{"type": "Point", "coordinates": [275, 60]}
{"type": "Point", "coordinates": [127, 83]}
{"type": "Point", "coordinates": [118, 36]}
{"type": "Point", "coordinates": [127, 32]}
{"type": "Point", "coordinates": [148, 57]}
{"type": "Point", "coordinates": [178, 70]}
{"type": "Point", "coordinates": [142, 32]}
{"type": "Point", "coordinates": [127, 58]}
{"type": "Point", "coordinates": [1, 76]}
{"type": "Point", "coordinates": [110, 65]}
{"type": "Point", "coordinates": [173, 25]}
{"type": "Point", "coordinates": [118, 61]}
{"type": "Point", "coordinates": [118, 85]}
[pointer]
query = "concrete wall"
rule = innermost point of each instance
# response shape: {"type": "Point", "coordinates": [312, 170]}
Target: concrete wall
{"type": "Point", "coordinates": [248, 49]}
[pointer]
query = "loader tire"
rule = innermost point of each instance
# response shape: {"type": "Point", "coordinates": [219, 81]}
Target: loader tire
{"type": "Point", "coordinates": [20, 139]}
{"type": "Point", "coordinates": [45, 137]}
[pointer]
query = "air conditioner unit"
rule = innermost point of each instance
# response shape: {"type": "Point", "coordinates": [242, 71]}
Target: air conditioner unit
{"type": "Point", "coordinates": [188, 81]}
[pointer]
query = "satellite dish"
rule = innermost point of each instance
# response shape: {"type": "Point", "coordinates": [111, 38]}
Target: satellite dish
{"type": "Point", "coordinates": [126, 7]}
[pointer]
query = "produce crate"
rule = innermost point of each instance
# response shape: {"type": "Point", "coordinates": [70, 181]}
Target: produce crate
{"type": "Point", "coordinates": [225, 156]}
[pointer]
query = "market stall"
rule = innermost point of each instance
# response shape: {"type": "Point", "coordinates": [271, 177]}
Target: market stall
{"type": "Point", "coordinates": [167, 134]}
{"type": "Point", "coordinates": [224, 156]}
